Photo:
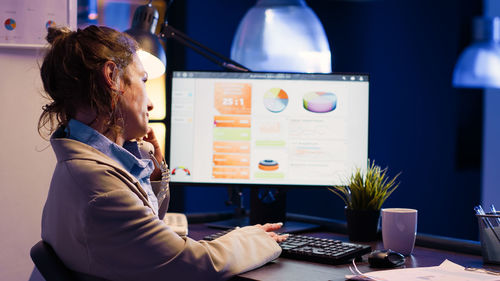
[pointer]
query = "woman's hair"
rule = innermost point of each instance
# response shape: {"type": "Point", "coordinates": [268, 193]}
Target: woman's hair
{"type": "Point", "coordinates": [73, 78]}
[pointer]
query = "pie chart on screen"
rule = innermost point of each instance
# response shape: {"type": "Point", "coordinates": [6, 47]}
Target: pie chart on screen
{"type": "Point", "coordinates": [10, 24]}
{"type": "Point", "coordinates": [320, 102]}
{"type": "Point", "coordinates": [50, 23]}
{"type": "Point", "coordinates": [275, 100]}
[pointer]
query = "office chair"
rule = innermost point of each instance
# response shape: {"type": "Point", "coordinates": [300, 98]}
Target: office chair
{"type": "Point", "coordinates": [49, 264]}
{"type": "Point", "coordinates": [51, 267]}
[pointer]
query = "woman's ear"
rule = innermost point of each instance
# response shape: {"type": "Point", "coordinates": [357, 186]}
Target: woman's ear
{"type": "Point", "coordinates": [110, 72]}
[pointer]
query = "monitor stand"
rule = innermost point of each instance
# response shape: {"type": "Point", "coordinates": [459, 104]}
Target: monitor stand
{"type": "Point", "coordinates": [266, 205]}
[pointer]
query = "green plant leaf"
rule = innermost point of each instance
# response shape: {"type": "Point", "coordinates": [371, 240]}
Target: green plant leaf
{"type": "Point", "coordinates": [369, 190]}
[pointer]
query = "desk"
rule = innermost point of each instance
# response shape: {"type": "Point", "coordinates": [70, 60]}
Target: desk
{"type": "Point", "coordinates": [293, 270]}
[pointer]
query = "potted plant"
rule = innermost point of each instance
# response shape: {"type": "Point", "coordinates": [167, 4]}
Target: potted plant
{"type": "Point", "coordinates": [363, 195]}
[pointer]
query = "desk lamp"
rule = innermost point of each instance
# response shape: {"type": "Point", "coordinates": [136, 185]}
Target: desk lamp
{"type": "Point", "coordinates": [479, 64]}
{"type": "Point", "coordinates": [282, 35]}
{"type": "Point", "coordinates": [152, 53]}
{"type": "Point", "coordinates": [143, 27]}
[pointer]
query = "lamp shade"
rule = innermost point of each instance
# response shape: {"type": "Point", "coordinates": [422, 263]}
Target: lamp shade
{"type": "Point", "coordinates": [479, 64]}
{"type": "Point", "coordinates": [151, 53]}
{"type": "Point", "coordinates": [282, 35]}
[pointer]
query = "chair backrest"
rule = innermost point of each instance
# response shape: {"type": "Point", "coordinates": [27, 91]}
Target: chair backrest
{"type": "Point", "coordinates": [52, 268]}
{"type": "Point", "coordinates": [49, 264]}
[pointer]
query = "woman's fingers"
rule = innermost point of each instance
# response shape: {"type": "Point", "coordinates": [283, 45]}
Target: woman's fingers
{"type": "Point", "coordinates": [278, 237]}
{"type": "Point", "coordinates": [270, 228]}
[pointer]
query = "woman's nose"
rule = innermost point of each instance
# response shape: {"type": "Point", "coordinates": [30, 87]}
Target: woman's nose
{"type": "Point", "coordinates": [150, 105]}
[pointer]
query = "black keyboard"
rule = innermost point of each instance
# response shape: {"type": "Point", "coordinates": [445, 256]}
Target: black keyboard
{"type": "Point", "coordinates": [302, 247]}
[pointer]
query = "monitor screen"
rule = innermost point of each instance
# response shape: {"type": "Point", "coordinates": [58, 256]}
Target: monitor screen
{"type": "Point", "coordinates": [267, 128]}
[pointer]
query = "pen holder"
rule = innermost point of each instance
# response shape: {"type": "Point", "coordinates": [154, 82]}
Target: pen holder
{"type": "Point", "coordinates": [489, 233]}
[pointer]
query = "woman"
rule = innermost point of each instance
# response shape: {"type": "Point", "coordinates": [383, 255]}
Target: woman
{"type": "Point", "coordinates": [102, 216]}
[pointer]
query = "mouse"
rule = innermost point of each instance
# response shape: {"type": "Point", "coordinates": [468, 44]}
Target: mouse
{"type": "Point", "coordinates": [385, 259]}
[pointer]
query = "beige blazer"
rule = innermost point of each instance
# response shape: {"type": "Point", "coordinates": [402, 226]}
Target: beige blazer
{"type": "Point", "coordinates": [99, 221]}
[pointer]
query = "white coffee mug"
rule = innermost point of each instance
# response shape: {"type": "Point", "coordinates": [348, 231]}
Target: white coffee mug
{"type": "Point", "coordinates": [399, 229]}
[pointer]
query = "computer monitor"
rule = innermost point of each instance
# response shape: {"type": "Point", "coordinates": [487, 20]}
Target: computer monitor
{"type": "Point", "coordinates": [267, 129]}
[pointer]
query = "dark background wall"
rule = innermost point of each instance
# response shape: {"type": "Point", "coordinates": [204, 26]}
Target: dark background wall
{"type": "Point", "coordinates": [419, 124]}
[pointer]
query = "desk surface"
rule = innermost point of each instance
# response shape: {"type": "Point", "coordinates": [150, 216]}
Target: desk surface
{"type": "Point", "coordinates": [293, 270]}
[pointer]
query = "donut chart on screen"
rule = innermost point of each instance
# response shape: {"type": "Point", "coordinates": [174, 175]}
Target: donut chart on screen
{"type": "Point", "coordinates": [10, 24]}
{"type": "Point", "coordinates": [268, 165]}
{"type": "Point", "coordinates": [320, 102]}
{"type": "Point", "coordinates": [275, 100]}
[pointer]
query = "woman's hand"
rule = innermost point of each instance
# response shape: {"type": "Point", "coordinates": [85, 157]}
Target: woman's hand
{"type": "Point", "coordinates": [270, 228]}
{"type": "Point", "coordinates": [151, 138]}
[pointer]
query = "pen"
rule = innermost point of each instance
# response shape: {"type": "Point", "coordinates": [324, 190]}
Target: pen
{"type": "Point", "coordinates": [494, 211]}
{"type": "Point", "coordinates": [480, 210]}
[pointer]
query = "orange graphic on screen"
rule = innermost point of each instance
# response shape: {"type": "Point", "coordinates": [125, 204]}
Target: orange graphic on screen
{"type": "Point", "coordinates": [231, 159]}
{"type": "Point", "coordinates": [233, 98]}
{"type": "Point", "coordinates": [231, 173]}
{"type": "Point", "coordinates": [231, 147]}
{"type": "Point", "coordinates": [232, 121]}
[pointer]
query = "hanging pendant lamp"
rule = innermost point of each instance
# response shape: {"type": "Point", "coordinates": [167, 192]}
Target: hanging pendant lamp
{"type": "Point", "coordinates": [479, 64]}
{"type": "Point", "coordinates": [282, 36]}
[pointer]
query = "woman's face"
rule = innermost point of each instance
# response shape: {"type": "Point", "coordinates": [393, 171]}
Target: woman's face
{"type": "Point", "coordinates": [135, 103]}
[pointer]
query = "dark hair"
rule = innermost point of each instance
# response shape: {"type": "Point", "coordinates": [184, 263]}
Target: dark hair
{"type": "Point", "coordinates": [72, 73]}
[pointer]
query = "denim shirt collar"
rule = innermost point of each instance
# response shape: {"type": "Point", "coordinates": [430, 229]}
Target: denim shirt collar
{"type": "Point", "coordinates": [128, 156]}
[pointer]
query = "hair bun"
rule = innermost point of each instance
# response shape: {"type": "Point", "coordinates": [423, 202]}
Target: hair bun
{"type": "Point", "coordinates": [54, 33]}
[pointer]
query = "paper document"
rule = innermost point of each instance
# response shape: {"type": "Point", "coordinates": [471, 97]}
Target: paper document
{"type": "Point", "coordinates": [444, 272]}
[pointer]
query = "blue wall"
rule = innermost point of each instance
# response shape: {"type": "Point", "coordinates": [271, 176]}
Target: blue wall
{"type": "Point", "coordinates": [419, 124]}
